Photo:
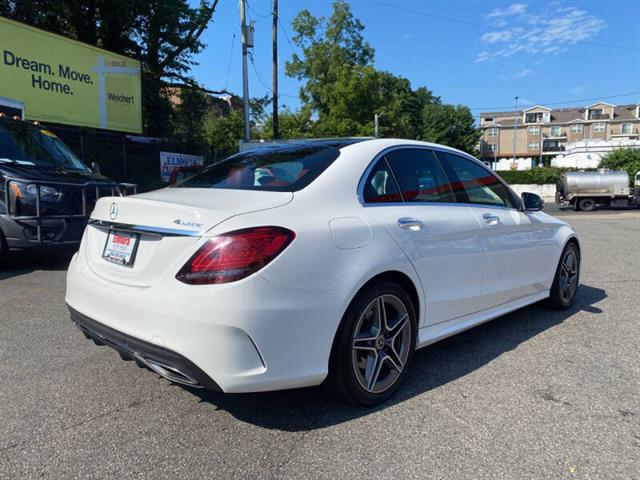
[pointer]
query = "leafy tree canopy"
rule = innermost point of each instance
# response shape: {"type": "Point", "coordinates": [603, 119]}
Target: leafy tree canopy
{"type": "Point", "coordinates": [451, 125]}
{"type": "Point", "coordinates": [344, 90]}
{"type": "Point", "coordinates": [627, 159]}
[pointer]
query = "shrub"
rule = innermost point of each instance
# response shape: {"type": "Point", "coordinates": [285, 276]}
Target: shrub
{"type": "Point", "coordinates": [537, 176]}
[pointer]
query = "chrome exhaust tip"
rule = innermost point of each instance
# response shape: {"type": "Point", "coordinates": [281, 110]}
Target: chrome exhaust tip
{"type": "Point", "coordinates": [171, 373]}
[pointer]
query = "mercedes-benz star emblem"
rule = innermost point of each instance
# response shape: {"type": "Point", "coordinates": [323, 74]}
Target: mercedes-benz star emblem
{"type": "Point", "coordinates": [113, 211]}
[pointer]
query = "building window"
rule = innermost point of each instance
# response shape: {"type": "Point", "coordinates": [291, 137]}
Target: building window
{"type": "Point", "coordinates": [599, 127]}
{"type": "Point", "coordinates": [492, 147]}
{"type": "Point", "coordinates": [556, 131]}
{"type": "Point", "coordinates": [576, 128]}
{"type": "Point", "coordinates": [488, 119]}
{"type": "Point", "coordinates": [533, 146]}
{"type": "Point", "coordinates": [492, 132]}
{"type": "Point", "coordinates": [533, 117]}
{"type": "Point", "coordinates": [534, 130]}
{"type": "Point", "coordinates": [597, 113]}
{"type": "Point", "coordinates": [626, 128]}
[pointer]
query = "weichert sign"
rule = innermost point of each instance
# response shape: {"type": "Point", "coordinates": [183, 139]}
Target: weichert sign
{"type": "Point", "coordinates": [65, 81]}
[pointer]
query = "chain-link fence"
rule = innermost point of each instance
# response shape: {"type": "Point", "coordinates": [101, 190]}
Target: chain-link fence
{"type": "Point", "coordinates": [121, 157]}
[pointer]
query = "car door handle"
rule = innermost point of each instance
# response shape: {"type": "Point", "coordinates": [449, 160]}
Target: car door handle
{"type": "Point", "coordinates": [408, 223]}
{"type": "Point", "coordinates": [491, 219]}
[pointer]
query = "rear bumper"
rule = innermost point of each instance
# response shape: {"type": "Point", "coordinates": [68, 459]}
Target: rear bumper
{"type": "Point", "coordinates": [247, 336]}
{"type": "Point", "coordinates": [169, 364]}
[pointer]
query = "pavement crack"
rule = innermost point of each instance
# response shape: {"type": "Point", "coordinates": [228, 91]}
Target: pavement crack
{"type": "Point", "coordinates": [135, 403]}
{"type": "Point", "coordinates": [294, 446]}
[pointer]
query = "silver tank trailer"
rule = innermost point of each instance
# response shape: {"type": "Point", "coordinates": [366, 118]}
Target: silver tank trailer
{"type": "Point", "coordinates": [609, 183]}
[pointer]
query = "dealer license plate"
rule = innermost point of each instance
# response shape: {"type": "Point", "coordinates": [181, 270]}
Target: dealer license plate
{"type": "Point", "coordinates": [121, 248]}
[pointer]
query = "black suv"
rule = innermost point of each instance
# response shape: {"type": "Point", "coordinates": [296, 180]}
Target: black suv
{"type": "Point", "coordinates": [46, 191]}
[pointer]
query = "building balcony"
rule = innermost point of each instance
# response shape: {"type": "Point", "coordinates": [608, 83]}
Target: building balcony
{"type": "Point", "coordinates": [553, 148]}
{"type": "Point", "coordinates": [561, 134]}
{"type": "Point", "coordinates": [598, 116]}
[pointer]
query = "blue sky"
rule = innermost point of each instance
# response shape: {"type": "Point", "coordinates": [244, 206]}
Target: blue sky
{"type": "Point", "coordinates": [477, 53]}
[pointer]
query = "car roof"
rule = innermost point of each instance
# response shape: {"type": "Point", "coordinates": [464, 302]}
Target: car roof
{"type": "Point", "coordinates": [384, 143]}
{"type": "Point", "coordinates": [353, 142]}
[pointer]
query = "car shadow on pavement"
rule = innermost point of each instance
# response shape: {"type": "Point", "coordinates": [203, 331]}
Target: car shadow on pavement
{"type": "Point", "coordinates": [433, 366]}
{"type": "Point", "coordinates": [17, 264]}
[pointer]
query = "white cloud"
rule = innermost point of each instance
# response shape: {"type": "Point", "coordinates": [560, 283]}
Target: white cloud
{"type": "Point", "coordinates": [550, 32]}
{"type": "Point", "coordinates": [513, 9]}
{"type": "Point", "coordinates": [483, 56]}
{"type": "Point", "coordinates": [520, 72]}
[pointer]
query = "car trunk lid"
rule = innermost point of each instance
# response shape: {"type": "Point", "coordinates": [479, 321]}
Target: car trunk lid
{"type": "Point", "coordinates": [168, 223]}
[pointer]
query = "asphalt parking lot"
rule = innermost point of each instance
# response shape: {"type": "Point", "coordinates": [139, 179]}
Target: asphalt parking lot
{"type": "Point", "coordinates": [532, 395]}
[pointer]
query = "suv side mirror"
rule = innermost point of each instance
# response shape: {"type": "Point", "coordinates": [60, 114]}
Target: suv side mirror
{"type": "Point", "coordinates": [531, 202]}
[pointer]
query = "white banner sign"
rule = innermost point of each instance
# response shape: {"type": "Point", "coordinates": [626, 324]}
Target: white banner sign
{"type": "Point", "coordinates": [170, 160]}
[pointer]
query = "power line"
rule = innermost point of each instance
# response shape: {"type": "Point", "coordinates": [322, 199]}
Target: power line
{"type": "Point", "coordinates": [487, 26]}
{"type": "Point", "coordinates": [233, 41]}
{"type": "Point", "coordinates": [259, 75]}
{"type": "Point", "coordinates": [284, 30]}
{"type": "Point", "coordinates": [564, 102]}
{"type": "Point", "coordinates": [255, 12]}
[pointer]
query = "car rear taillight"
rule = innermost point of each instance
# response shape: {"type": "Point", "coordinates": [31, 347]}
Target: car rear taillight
{"type": "Point", "coordinates": [235, 255]}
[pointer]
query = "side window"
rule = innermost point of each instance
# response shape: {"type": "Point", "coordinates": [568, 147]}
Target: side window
{"type": "Point", "coordinates": [380, 186]}
{"type": "Point", "coordinates": [420, 176]}
{"type": "Point", "coordinates": [474, 184]}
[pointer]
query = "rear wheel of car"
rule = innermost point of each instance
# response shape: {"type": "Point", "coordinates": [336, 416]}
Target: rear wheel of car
{"type": "Point", "coordinates": [587, 204]}
{"type": "Point", "coordinates": [374, 345]}
{"type": "Point", "coordinates": [565, 283]}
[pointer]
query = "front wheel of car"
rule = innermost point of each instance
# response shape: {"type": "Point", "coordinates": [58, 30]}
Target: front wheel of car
{"type": "Point", "coordinates": [565, 283]}
{"type": "Point", "coordinates": [374, 345]}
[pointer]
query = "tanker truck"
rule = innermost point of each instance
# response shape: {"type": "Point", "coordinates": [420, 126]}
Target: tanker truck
{"type": "Point", "coordinates": [603, 188]}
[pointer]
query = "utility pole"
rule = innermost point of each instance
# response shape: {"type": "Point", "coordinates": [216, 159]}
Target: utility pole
{"type": "Point", "coordinates": [376, 124]}
{"type": "Point", "coordinates": [276, 125]}
{"type": "Point", "coordinates": [245, 75]}
{"type": "Point", "coordinates": [515, 131]}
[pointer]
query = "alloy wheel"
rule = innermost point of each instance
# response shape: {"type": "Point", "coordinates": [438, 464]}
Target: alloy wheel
{"type": "Point", "coordinates": [381, 343]}
{"type": "Point", "coordinates": [569, 275]}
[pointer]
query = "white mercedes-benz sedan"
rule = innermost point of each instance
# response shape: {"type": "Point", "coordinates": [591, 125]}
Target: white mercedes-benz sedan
{"type": "Point", "coordinates": [316, 261]}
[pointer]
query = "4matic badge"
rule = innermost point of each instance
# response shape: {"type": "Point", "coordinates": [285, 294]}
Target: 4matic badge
{"type": "Point", "coordinates": [184, 223]}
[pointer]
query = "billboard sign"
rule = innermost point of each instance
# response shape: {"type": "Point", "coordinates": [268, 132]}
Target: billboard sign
{"type": "Point", "coordinates": [170, 160]}
{"type": "Point", "coordinates": [64, 81]}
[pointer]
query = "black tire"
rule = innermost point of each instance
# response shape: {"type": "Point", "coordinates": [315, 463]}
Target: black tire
{"type": "Point", "coordinates": [346, 378]}
{"type": "Point", "coordinates": [587, 204]}
{"type": "Point", "coordinates": [559, 297]}
{"type": "Point", "coordinates": [4, 250]}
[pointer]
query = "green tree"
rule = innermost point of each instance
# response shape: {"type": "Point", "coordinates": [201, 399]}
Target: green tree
{"type": "Point", "coordinates": [449, 125]}
{"type": "Point", "coordinates": [342, 87]}
{"type": "Point", "coordinates": [188, 119]}
{"type": "Point", "coordinates": [627, 159]}
{"type": "Point", "coordinates": [327, 46]}
{"type": "Point", "coordinates": [292, 124]}
{"type": "Point", "coordinates": [222, 133]}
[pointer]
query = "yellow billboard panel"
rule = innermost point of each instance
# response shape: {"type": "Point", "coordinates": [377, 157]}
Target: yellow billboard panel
{"type": "Point", "coordinates": [63, 81]}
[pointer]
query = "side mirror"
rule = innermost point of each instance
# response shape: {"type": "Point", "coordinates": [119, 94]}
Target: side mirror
{"type": "Point", "coordinates": [95, 166]}
{"type": "Point", "coordinates": [531, 202]}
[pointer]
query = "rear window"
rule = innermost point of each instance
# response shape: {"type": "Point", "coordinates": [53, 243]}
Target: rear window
{"type": "Point", "coordinates": [279, 169]}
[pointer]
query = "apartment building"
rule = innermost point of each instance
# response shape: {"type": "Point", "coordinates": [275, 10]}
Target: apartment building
{"type": "Point", "coordinates": [542, 132]}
